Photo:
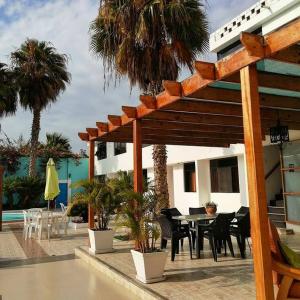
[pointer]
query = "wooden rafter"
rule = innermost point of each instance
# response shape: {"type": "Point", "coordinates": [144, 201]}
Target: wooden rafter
{"type": "Point", "coordinates": [272, 80]}
{"type": "Point", "coordinates": [83, 136]}
{"type": "Point", "coordinates": [129, 111]}
{"type": "Point", "coordinates": [148, 101]}
{"type": "Point", "coordinates": [93, 132]}
{"type": "Point", "coordinates": [115, 120]}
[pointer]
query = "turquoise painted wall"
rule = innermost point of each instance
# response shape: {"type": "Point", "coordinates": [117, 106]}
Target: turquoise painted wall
{"type": "Point", "coordinates": [67, 169]}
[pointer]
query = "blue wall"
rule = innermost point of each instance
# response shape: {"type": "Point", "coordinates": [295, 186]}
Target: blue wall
{"type": "Point", "coordinates": [67, 169]}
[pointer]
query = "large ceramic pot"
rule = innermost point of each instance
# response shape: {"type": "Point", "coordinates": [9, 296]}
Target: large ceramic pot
{"type": "Point", "coordinates": [211, 210]}
{"type": "Point", "coordinates": [101, 241]}
{"type": "Point", "coordinates": [149, 266]}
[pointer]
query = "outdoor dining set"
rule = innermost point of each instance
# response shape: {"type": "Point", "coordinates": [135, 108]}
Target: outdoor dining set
{"type": "Point", "coordinates": [217, 228]}
{"type": "Point", "coordinates": [39, 221]}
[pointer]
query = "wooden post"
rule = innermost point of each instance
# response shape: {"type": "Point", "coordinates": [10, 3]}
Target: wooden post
{"type": "Point", "coordinates": [1, 195]}
{"type": "Point", "coordinates": [137, 157]}
{"type": "Point", "coordinates": [91, 176]}
{"type": "Point", "coordinates": [256, 183]}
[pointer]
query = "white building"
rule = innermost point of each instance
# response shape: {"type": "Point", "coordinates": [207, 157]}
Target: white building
{"type": "Point", "coordinates": [200, 174]}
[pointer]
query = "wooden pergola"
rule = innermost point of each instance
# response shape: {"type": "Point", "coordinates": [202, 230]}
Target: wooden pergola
{"type": "Point", "coordinates": [235, 100]}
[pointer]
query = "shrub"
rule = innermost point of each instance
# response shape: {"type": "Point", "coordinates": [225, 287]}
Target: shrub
{"type": "Point", "coordinates": [79, 209]}
{"type": "Point", "coordinates": [24, 192]}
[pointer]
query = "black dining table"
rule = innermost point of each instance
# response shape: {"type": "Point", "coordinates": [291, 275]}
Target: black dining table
{"type": "Point", "coordinates": [197, 219]}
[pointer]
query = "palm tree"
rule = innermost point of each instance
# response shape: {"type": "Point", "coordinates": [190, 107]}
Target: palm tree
{"type": "Point", "coordinates": [58, 141]}
{"type": "Point", "coordinates": [149, 41]}
{"type": "Point", "coordinates": [8, 92]}
{"type": "Point", "coordinates": [41, 75]}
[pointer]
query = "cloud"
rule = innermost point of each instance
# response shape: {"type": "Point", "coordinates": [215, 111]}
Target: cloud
{"type": "Point", "coordinates": [65, 23]}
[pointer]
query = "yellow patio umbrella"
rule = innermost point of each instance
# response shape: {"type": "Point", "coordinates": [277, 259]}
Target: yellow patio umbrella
{"type": "Point", "coordinates": [52, 183]}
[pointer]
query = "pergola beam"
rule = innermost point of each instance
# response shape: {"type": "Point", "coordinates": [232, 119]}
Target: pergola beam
{"type": "Point", "coordinates": [256, 184]}
{"type": "Point", "coordinates": [234, 96]}
{"type": "Point", "coordinates": [115, 120]}
{"type": "Point", "coordinates": [272, 80]}
{"type": "Point", "coordinates": [93, 132]}
{"type": "Point", "coordinates": [129, 111]}
{"type": "Point", "coordinates": [207, 107]}
{"type": "Point", "coordinates": [148, 101]}
{"type": "Point", "coordinates": [102, 126]}
{"type": "Point", "coordinates": [84, 136]}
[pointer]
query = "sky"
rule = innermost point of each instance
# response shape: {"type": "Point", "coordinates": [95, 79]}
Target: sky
{"type": "Point", "coordinates": [65, 24]}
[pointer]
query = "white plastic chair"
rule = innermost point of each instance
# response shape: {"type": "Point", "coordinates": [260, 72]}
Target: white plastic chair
{"type": "Point", "coordinates": [27, 224]}
{"type": "Point", "coordinates": [45, 223]}
{"type": "Point", "coordinates": [63, 207]}
{"type": "Point", "coordinates": [63, 221]}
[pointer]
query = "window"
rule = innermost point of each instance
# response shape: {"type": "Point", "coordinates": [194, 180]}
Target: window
{"type": "Point", "coordinates": [224, 175]}
{"type": "Point", "coordinates": [119, 148]}
{"type": "Point", "coordinates": [189, 171]}
{"type": "Point", "coordinates": [101, 152]}
{"type": "Point", "coordinates": [101, 178]}
{"type": "Point", "coordinates": [145, 175]}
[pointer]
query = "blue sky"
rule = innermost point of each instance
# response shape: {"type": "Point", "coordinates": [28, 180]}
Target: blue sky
{"type": "Point", "coordinates": [65, 23]}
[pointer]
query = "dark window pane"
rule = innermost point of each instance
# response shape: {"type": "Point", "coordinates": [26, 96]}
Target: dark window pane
{"type": "Point", "coordinates": [101, 152]}
{"type": "Point", "coordinates": [119, 148]}
{"type": "Point", "coordinates": [189, 172]}
{"type": "Point", "coordinates": [224, 175]}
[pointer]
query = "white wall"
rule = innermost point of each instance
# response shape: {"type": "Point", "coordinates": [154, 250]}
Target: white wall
{"type": "Point", "coordinates": [183, 200]}
{"type": "Point", "coordinates": [273, 183]}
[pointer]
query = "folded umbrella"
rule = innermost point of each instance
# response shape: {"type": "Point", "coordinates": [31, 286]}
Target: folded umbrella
{"type": "Point", "coordinates": [52, 183]}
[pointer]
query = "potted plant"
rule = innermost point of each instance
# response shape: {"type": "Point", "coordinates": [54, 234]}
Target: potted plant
{"type": "Point", "coordinates": [211, 208]}
{"type": "Point", "coordinates": [101, 198]}
{"type": "Point", "coordinates": [138, 213]}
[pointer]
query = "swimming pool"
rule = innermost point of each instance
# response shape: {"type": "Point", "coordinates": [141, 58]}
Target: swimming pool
{"type": "Point", "coordinates": [12, 216]}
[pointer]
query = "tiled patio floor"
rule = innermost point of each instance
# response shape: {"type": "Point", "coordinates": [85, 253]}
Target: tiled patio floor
{"type": "Point", "coordinates": [229, 278]}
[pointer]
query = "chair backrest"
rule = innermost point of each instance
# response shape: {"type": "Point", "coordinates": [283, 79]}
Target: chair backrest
{"type": "Point", "coordinates": [46, 218]}
{"type": "Point", "coordinates": [221, 224]}
{"type": "Point", "coordinates": [63, 207]}
{"type": "Point", "coordinates": [243, 210]}
{"type": "Point", "coordinates": [197, 210]}
{"type": "Point", "coordinates": [244, 225]}
{"type": "Point", "coordinates": [275, 250]}
{"type": "Point", "coordinates": [25, 216]}
{"type": "Point", "coordinates": [165, 226]}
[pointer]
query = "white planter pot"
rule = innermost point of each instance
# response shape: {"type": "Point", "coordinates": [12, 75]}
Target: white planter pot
{"type": "Point", "coordinates": [149, 266]}
{"type": "Point", "coordinates": [101, 241]}
{"type": "Point", "coordinates": [76, 226]}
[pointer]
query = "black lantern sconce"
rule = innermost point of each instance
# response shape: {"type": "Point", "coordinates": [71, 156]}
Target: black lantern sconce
{"type": "Point", "coordinates": [279, 134]}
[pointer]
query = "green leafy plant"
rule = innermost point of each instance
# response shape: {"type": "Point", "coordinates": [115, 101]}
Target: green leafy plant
{"type": "Point", "coordinates": [79, 209]}
{"type": "Point", "coordinates": [211, 204]}
{"type": "Point", "coordinates": [101, 198]}
{"type": "Point", "coordinates": [137, 212]}
{"type": "Point", "coordinates": [24, 192]}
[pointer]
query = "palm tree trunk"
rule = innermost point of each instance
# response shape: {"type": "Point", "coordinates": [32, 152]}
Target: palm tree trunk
{"type": "Point", "coordinates": [35, 131]}
{"type": "Point", "coordinates": [159, 156]}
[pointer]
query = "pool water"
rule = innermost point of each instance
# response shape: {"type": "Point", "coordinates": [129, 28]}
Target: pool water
{"type": "Point", "coordinates": [7, 217]}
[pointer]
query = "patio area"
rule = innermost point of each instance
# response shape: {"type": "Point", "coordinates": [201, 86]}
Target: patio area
{"type": "Point", "coordinates": [229, 278]}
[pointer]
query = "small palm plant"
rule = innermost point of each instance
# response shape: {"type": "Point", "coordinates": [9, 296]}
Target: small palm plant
{"type": "Point", "coordinates": [137, 212]}
{"type": "Point", "coordinates": [101, 198]}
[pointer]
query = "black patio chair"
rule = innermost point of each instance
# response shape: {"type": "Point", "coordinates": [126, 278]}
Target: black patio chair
{"type": "Point", "coordinates": [196, 211]}
{"type": "Point", "coordinates": [243, 210]}
{"type": "Point", "coordinates": [168, 232]}
{"type": "Point", "coordinates": [173, 212]}
{"type": "Point", "coordinates": [242, 231]}
{"type": "Point", "coordinates": [218, 233]}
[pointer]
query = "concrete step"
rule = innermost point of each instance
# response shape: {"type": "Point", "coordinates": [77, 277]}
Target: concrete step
{"type": "Point", "coordinates": [276, 209]}
{"type": "Point", "coordinates": [279, 203]}
{"type": "Point", "coordinates": [279, 224]}
{"type": "Point", "coordinates": [276, 217]}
